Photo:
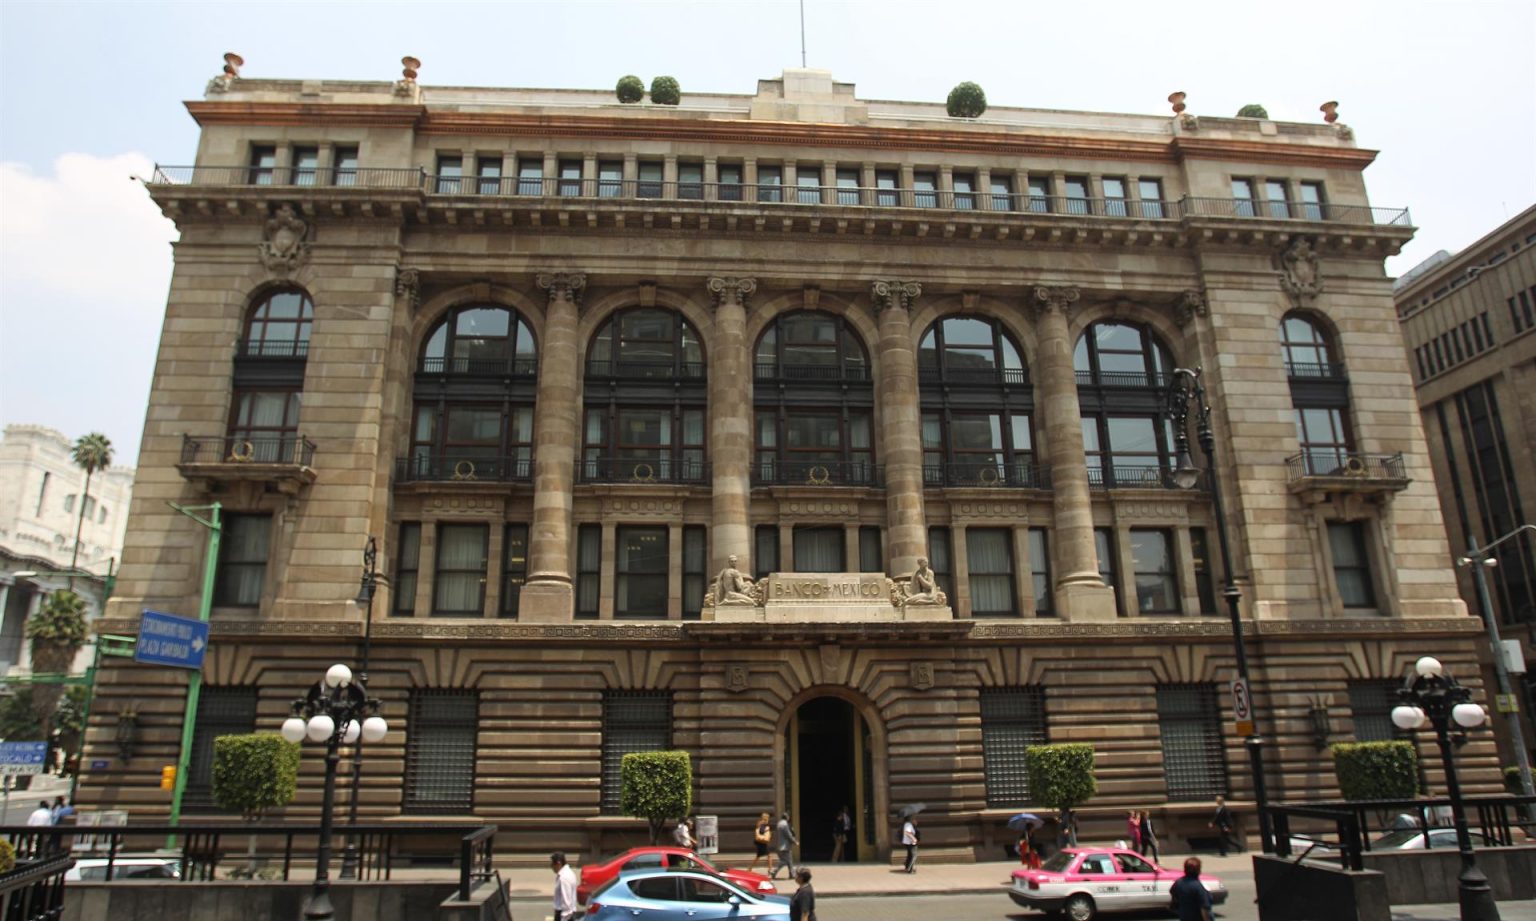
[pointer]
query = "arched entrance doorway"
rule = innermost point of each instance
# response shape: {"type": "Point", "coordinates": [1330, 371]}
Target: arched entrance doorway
{"type": "Point", "coordinates": [830, 761]}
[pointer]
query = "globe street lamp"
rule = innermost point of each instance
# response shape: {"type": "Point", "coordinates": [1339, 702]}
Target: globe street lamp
{"type": "Point", "coordinates": [1184, 388]}
{"type": "Point", "coordinates": [1431, 693]}
{"type": "Point", "coordinates": [367, 586]}
{"type": "Point", "coordinates": [337, 710]}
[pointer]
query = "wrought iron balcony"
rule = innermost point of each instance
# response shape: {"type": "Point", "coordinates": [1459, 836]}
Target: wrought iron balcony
{"type": "Point", "coordinates": [462, 467]}
{"type": "Point", "coordinates": [1120, 476]}
{"type": "Point", "coordinates": [276, 349]}
{"type": "Point", "coordinates": [830, 374]}
{"type": "Point", "coordinates": [643, 470]}
{"type": "Point", "coordinates": [481, 367]}
{"type": "Point", "coordinates": [815, 473]}
{"type": "Point", "coordinates": [289, 176]}
{"type": "Point", "coordinates": [965, 474]}
{"type": "Point", "coordinates": [646, 370]}
{"type": "Point", "coordinates": [975, 377]}
{"type": "Point", "coordinates": [1150, 380]}
{"type": "Point", "coordinates": [1312, 371]}
{"type": "Point", "coordinates": [1333, 471]}
{"type": "Point", "coordinates": [1295, 211]}
{"type": "Point", "coordinates": [285, 461]}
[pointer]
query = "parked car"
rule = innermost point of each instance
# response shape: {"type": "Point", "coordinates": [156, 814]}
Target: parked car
{"type": "Point", "coordinates": [124, 868]}
{"type": "Point", "coordinates": [595, 876]}
{"type": "Point", "coordinates": [681, 895]}
{"type": "Point", "coordinates": [1083, 881]}
{"type": "Point", "coordinates": [1401, 839]}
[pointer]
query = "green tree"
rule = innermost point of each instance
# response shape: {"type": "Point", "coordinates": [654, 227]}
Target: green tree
{"type": "Point", "coordinates": [57, 632]}
{"type": "Point", "coordinates": [1061, 776]}
{"type": "Point", "coordinates": [966, 100]}
{"type": "Point", "coordinates": [1376, 770]}
{"type": "Point", "coordinates": [91, 453]}
{"type": "Point", "coordinates": [656, 786]}
{"type": "Point", "coordinates": [1253, 110]}
{"type": "Point", "coordinates": [252, 774]}
{"type": "Point", "coordinates": [18, 718]}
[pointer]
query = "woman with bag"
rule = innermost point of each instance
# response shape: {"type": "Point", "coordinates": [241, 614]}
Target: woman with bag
{"type": "Point", "coordinates": [762, 836]}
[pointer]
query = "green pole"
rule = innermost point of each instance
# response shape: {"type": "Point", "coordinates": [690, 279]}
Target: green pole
{"type": "Point", "coordinates": [195, 682]}
{"type": "Point", "coordinates": [85, 720]}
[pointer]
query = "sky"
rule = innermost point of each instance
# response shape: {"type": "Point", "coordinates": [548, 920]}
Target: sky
{"type": "Point", "coordinates": [91, 94]}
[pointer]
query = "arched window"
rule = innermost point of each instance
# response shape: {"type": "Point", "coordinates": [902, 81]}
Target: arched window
{"type": "Point", "coordinates": [814, 399]}
{"type": "Point", "coordinates": [481, 340]}
{"type": "Point", "coordinates": [645, 399]}
{"type": "Point", "coordinates": [1307, 349]}
{"type": "Point", "coordinates": [1122, 376]}
{"type": "Point", "coordinates": [278, 326]}
{"type": "Point", "coordinates": [1319, 395]}
{"type": "Point", "coordinates": [976, 406]}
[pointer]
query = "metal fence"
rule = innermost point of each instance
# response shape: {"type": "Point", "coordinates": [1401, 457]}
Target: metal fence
{"type": "Point", "coordinates": [34, 889]}
{"type": "Point", "coordinates": [294, 449]}
{"type": "Point", "coordinates": [452, 466]}
{"type": "Point", "coordinates": [643, 470]}
{"type": "Point", "coordinates": [816, 473]}
{"type": "Point", "coordinates": [965, 473]}
{"type": "Point", "coordinates": [1342, 463]}
{"type": "Point", "coordinates": [289, 176]}
{"type": "Point", "coordinates": [1346, 830]}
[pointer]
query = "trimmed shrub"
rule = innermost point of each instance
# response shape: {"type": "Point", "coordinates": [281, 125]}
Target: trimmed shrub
{"type": "Point", "coordinates": [665, 91]}
{"type": "Point", "coordinates": [630, 88]}
{"type": "Point", "coordinates": [1253, 110]}
{"type": "Point", "coordinates": [254, 773]}
{"type": "Point", "coordinates": [656, 786]}
{"type": "Point", "coordinates": [1376, 770]}
{"type": "Point", "coordinates": [966, 100]}
{"type": "Point", "coordinates": [1061, 776]}
{"type": "Point", "coordinates": [7, 856]}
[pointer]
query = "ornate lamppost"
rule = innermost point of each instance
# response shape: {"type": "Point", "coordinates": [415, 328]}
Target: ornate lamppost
{"type": "Point", "coordinates": [1184, 388]}
{"type": "Point", "coordinates": [337, 710]}
{"type": "Point", "coordinates": [1431, 693]}
{"type": "Point", "coordinates": [368, 584]}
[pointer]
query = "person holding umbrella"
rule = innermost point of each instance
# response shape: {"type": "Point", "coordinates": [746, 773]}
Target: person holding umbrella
{"type": "Point", "coordinates": [1024, 823]}
{"type": "Point", "coordinates": [910, 836]}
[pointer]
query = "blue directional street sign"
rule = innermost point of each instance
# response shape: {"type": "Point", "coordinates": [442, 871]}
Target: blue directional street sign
{"type": "Point", "coordinates": [165, 639]}
{"type": "Point", "coordinates": [22, 757]}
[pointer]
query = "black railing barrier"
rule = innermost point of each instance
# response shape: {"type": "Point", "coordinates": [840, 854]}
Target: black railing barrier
{"type": "Point", "coordinates": [289, 450]}
{"type": "Point", "coordinates": [1337, 462]}
{"type": "Point", "coordinates": [1346, 828]}
{"type": "Point", "coordinates": [34, 889]}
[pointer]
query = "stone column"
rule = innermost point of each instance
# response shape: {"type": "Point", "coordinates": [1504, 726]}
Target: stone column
{"type": "Point", "coordinates": [901, 445]}
{"type": "Point", "coordinates": [1080, 589]}
{"type": "Point", "coordinates": [730, 424]}
{"type": "Point", "coordinates": [548, 596]}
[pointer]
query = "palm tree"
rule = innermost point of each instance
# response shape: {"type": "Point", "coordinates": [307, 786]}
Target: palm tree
{"type": "Point", "coordinates": [92, 452]}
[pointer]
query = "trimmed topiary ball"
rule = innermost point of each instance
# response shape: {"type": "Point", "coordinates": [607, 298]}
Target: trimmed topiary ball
{"type": "Point", "coordinates": [665, 91]}
{"type": "Point", "coordinates": [966, 100]}
{"type": "Point", "coordinates": [630, 89]}
{"type": "Point", "coordinates": [1253, 110]}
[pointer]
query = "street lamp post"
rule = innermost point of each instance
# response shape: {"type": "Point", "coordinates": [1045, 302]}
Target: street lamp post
{"type": "Point", "coordinates": [369, 584]}
{"type": "Point", "coordinates": [1433, 694]}
{"type": "Point", "coordinates": [337, 710]}
{"type": "Point", "coordinates": [1182, 389]}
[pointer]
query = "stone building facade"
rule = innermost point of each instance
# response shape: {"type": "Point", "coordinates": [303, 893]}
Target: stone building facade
{"type": "Point", "coordinates": [564, 357]}
{"type": "Point", "coordinates": [1468, 322]}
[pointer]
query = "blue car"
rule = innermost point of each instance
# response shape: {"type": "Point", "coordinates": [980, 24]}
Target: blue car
{"type": "Point", "coordinates": [681, 895]}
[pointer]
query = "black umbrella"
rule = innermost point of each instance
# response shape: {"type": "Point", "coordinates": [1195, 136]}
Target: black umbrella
{"type": "Point", "coordinates": [910, 810]}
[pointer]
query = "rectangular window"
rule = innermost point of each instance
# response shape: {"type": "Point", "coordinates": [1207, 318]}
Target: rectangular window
{"type": "Point", "coordinates": [819, 549]}
{"type": "Point", "coordinates": [570, 178]}
{"type": "Point", "coordinates": [730, 181]}
{"type": "Point", "coordinates": [488, 175]}
{"type": "Point", "coordinates": [514, 567]}
{"type": "Point", "coordinates": [1157, 587]}
{"type": "Point", "coordinates": [1351, 563]}
{"type": "Point", "coordinates": [610, 178]}
{"type": "Point", "coordinates": [268, 419]}
{"type": "Point", "coordinates": [263, 165]}
{"type": "Point", "coordinates": [1114, 196]}
{"type": "Point", "coordinates": [1243, 201]}
{"type": "Point", "coordinates": [346, 166]}
{"type": "Point", "coordinates": [808, 184]}
{"type": "Point", "coordinates": [306, 165]}
{"type": "Point", "coordinates": [450, 171]}
{"type": "Point", "coordinates": [887, 186]}
{"type": "Point", "coordinates": [1477, 334]}
{"type": "Point", "coordinates": [690, 181]}
{"type": "Point", "coordinates": [440, 741]}
{"type": "Point", "coordinates": [458, 580]}
{"type": "Point", "coordinates": [695, 566]}
{"type": "Point", "coordinates": [941, 560]}
{"type": "Point", "coordinates": [1370, 705]}
{"type": "Point", "coordinates": [770, 182]}
{"type": "Point", "coordinates": [965, 191]}
{"type": "Point", "coordinates": [1002, 193]}
{"type": "Point", "coordinates": [407, 568]}
{"type": "Point", "coordinates": [640, 589]}
{"type": "Point", "coordinates": [1324, 440]}
{"type": "Point", "coordinates": [1418, 355]}
{"type": "Point", "coordinates": [1039, 194]}
{"type": "Point", "coordinates": [1279, 202]}
{"type": "Point", "coordinates": [1311, 200]}
{"type": "Point", "coordinates": [1151, 192]}
{"type": "Point", "coordinates": [1040, 572]}
{"type": "Point", "coordinates": [1012, 719]}
{"type": "Point", "coordinates": [925, 189]}
{"type": "Point", "coordinates": [870, 557]}
{"type": "Point", "coordinates": [221, 711]}
{"type": "Point", "coordinates": [1104, 546]}
{"type": "Point", "coordinates": [69, 503]}
{"type": "Point", "coordinates": [765, 550]}
{"type": "Point", "coordinates": [1204, 583]}
{"type": "Point", "coordinates": [530, 176]}
{"type": "Point", "coordinates": [1077, 194]}
{"type": "Point", "coordinates": [989, 554]}
{"type": "Point", "coordinates": [589, 562]}
{"type": "Point", "coordinates": [1527, 317]}
{"type": "Point", "coordinates": [848, 187]}
{"type": "Point", "coordinates": [243, 548]}
{"type": "Point", "coordinates": [1194, 764]}
{"type": "Point", "coordinates": [650, 185]}
{"type": "Point", "coordinates": [633, 721]}
{"type": "Point", "coordinates": [1487, 328]}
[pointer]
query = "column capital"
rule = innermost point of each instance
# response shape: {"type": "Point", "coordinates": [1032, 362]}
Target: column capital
{"type": "Point", "coordinates": [731, 290]}
{"type": "Point", "coordinates": [1060, 299]}
{"type": "Point", "coordinates": [563, 286]}
{"type": "Point", "coordinates": [888, 294]}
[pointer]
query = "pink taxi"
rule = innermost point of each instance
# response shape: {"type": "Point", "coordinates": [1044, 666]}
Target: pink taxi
{"type": "Point", "coordinates": [1084, 881]}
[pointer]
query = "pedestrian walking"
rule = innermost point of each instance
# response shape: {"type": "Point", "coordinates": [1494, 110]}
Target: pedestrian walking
{"type": "Point", "coordinates": [1028, 856]}
{"type": "Point", "coordinates": [802, 905]}
{"type": "Point", "coordinates": [1148, 837]}
{"type": "Point", "coordinates": [62, 810]}
{"type": "Point", "coordinates": [784, 843]}
{"type": "Point", "coordinates": [42, 815]}
{"type": "Point", "coordinates": [1222, 822]}
{"type": "Point", "coordinates": [1133, 830]}
{"type": "Point", "coordinates": [762, 837]}
{"type": "Point", "coordinates": [1188, 898]}
{"type": "Point", "coordinates": [910, 837]}
{"type": "Point", "coordinates": [842, 827]}
{"type": "Point", "coordinates": [565, 888]}
{"type": "Point", "coordinates": [1066, 828]}
{"type": "Point", "coordinates": [681, 836]}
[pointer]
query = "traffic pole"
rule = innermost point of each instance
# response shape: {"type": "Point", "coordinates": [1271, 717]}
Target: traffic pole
{"type": "Point", "coordinates": [195, 681]}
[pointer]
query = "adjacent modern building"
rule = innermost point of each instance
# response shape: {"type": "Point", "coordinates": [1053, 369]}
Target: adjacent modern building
{"type": "Point", "coordinates": [1469, 322]}
{"type": "Point", "coordinates": [564, 358]}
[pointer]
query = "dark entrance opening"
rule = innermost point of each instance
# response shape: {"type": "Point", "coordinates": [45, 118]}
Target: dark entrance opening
{"type": "Point", "coordinates": [827, 742]}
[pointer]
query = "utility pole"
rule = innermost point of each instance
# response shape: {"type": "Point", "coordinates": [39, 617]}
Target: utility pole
{"type": "Point", "coordinates": [195, 680]}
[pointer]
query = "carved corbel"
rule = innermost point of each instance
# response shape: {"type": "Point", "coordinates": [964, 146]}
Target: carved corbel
{"type": "Point", "coordinates": [735, 291]}
{"type": "Point", "coordinates": [408, 286]}
{"type": "Point", "coordinates": [1191, 304]}
{"type": "Point", "coordinates": [810, 297]}
{"type": "Point", "coordinates": [889, 294]}
{"type": "Point", "coordinates": [564, 286]}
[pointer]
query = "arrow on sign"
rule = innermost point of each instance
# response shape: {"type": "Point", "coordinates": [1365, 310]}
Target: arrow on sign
{"type": "Point", "coordinates": [197, 644]}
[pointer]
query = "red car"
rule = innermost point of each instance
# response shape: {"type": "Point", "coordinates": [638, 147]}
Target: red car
{"type": "Point", "coordinates": [595, 876]}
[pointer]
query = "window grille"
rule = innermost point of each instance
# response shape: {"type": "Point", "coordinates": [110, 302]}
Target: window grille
{"type": "Point", "coordinates": [221, 711]}
{"type": "Point", "coordinates": [440, 751]}
{"type": "Point", "coordinates": [1194, 761]}
{"type": "Point", "coordinates": [1012, 719]}
{"type": "Point", "coordinates": [633, 721]}
{"type": "Point", "coordinates": [1371, 703]}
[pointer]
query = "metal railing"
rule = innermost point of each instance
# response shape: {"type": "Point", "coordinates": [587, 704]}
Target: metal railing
{"type": "Point", "coordinates": [1120, 476]}
{"type": "Point", "coordinates": [1327, 371]}
{"type": "Point", "coordinates": [642, 470]}
{"type": "Point", "coordinates": [290, 176]}
{"type": "Point", "coordinates": [964, 473]}
{"type": "Point", "coordinates": [844, 373]}
{"type": "Point", "coordinates": [462, 467]}
{"type": "Point", "coordinates": [975, 377]}
{"type": "Point", "coordinates": [272, 348]}
{"type": "Point", "coordinates": [1349, 464]}
{"type": "Point", "coordinates": [817, 473]}
{"type": "Point", "coordinates": [646, 370]}
{"type": "Point", "coordinates": [1153, 380]}
{"type": "Point", "coordinates": [287, 450]}
{"type": "Point", "coordinates": [481, 367]}
{"type": "Point", "coordinates": [1295, 211]}
{"type": "Point", "coordinates": [1349, 826]}
{"type": "Point", "coordinates": [34, 889]}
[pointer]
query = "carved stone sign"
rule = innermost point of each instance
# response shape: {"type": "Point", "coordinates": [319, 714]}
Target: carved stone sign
{"type": "Point", "coordinates": [820, 597]}
{"type": "Point", "coordinates": [819, 588]}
